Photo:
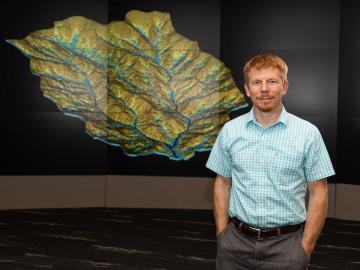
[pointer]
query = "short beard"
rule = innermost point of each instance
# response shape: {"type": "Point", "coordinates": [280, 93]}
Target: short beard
{"type": "Point", "coordinates": [266, 108]}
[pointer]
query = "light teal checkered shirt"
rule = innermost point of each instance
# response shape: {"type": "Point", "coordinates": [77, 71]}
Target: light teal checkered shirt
{"type": "Point", "coordinates": [269, 167]}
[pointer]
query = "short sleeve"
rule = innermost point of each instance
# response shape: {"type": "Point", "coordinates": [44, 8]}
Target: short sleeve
{"type": "Point", "coordinates": [219, 160]}
{"type": "Point", "coordinates": [317, 163]}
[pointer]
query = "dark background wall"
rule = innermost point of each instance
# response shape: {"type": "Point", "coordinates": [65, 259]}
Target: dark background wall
{"type": "Point", "coordinates": [348, 145]}
{"type": "Point", "coordinates": [318, 40]}
{"type": "Point", "coordinates": [37, 138]}
{"type": "Point", "coordinates": [306, 35]}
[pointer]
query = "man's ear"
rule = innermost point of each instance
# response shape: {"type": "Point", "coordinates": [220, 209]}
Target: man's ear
{"type": "Point", "coordinates": [285, 88]}
{"type": "Point", "coordinates": [247, 90]}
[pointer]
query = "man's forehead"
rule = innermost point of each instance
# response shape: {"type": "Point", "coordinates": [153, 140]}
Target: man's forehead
{"type": "Point", "coordinates": [268, 71]}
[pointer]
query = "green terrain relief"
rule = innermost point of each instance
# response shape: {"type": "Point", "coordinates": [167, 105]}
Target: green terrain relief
{"type": "Point", "coordinates": [136, 84]}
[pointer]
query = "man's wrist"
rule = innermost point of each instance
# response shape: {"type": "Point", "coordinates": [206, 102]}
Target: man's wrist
{"type": "Point", "coordinates": [220, 229]}
{"type": "Point", "coordinates": [308, 247]}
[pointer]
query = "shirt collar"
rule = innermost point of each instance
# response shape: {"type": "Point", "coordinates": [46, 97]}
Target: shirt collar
{"type": "Point", "coordinates": [283, 117]}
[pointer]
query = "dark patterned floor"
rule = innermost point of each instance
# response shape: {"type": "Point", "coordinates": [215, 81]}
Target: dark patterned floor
{"type": "Point", "coordinates": [137, 239]}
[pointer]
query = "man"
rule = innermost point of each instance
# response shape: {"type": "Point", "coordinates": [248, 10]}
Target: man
{"type": "Point", "coordinates": [265, 161]}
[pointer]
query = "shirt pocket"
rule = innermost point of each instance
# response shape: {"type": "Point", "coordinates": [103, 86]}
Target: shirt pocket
{"type": "Point", "coordinates": [288, 164]}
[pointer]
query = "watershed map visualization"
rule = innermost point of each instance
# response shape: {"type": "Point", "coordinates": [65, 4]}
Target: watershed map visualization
{"type": "Point", "coordinates": [137, 84]}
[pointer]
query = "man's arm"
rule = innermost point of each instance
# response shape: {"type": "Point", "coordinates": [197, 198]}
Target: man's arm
{"type": "Point", "coordinates": [222, 186]}
{"type": "Point", "coordinates": [316, 213]}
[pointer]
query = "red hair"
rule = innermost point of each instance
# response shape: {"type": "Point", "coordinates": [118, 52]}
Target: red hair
{"type": "Point", "coordinates": [264, 61]}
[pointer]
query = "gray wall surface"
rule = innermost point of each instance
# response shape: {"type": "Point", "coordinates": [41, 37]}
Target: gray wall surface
{"type": "Point", "coordinates": [30, 192]}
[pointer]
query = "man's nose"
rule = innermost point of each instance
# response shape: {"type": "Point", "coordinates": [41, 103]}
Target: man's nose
{"type": "Point", "coordinates": [264, 87]}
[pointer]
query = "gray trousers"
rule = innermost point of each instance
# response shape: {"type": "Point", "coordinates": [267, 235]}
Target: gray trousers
{"type": "Point", "coordinates": [236, 251]}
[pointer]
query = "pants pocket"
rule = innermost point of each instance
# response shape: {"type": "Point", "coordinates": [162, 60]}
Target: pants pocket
{"type": "Point", "coordinates": [304, 256]}
{"type": "Point", "coordinates": [222, 233]}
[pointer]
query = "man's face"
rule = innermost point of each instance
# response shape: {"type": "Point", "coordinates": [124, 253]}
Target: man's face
{"type": "Point", "coordinates": [266, 88]}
